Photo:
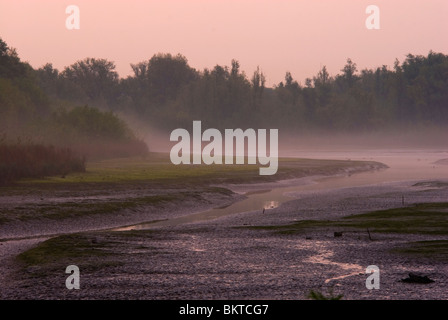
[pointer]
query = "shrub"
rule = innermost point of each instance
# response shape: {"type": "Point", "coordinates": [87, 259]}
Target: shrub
{"type": "Point", "coordinates": [30, 160]}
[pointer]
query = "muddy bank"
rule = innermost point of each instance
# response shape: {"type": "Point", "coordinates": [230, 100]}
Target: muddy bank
{"type": "Point", "coordinates": [223, 259]}
{"type": "Point", "coordinates": [47, 208]}
{"type": "Point", "coordinates": [52, 214]}
{"type": "Point", "coordinates": [31, 214]}
{"type": "Point", "coordinates": [339, 202]}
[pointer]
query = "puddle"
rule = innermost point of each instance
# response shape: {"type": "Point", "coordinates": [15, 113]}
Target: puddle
{"type": "Point", "coordinates": [271, 204]}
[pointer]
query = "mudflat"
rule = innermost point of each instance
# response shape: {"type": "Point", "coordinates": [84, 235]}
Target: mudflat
{"type": "Point", "coordinates": [285, 252]}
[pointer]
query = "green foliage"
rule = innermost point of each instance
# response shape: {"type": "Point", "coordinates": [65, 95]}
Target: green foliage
{"type": "Point", "coordinates": [92, 123]}
{"type": "Point", "coordinates": [413, 93]}
{"type": "Point", "coordinates": [167, 93]}
{"type": "Point", "coordinates": [316, 295]}
{"type": "Point", "coordinates": [93, 133]}
{"type": "Point", "coordinates": [433, 249]}
{"type": "Point", "coordinates": [31, 106]}
{"type": "Point", "coordinates": [423, 218]}
{"type": "Point", "coordinates": [22, 101]}
{"type": "Point", "coordinates": [66, 246]}
{"type": "Point", "coordinates": [10, 65]}
{"type": "Point", "coordinates": [96, 78]}
{"type": "Point", "coordinates": [162, 76]}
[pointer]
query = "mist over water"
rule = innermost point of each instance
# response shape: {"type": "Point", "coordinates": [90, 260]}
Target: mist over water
{"type": "Point", "coordinates": [409, 155]}
{"type": "Point", "coordinates": [405, 164]}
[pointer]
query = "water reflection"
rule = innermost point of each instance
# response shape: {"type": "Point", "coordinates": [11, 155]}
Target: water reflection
{"type": "Point", "coordinates": [270, 204]}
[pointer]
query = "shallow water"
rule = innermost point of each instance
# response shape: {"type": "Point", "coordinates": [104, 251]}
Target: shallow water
{"type": "Point", "coordinates": [404, 165]}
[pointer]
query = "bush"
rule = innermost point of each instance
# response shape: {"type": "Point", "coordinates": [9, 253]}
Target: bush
{"type": "Point", "coordinates": [29, 160]}
{"type": "Point", "coordinates": [94, 133]}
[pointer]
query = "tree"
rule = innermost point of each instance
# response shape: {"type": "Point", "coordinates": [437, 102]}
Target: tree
{"type": "Point", "coordinates": [323, 78]}
{"type": "Point", "coordinates": [162, 77]}
{"type": "Point", "coordinates": [48, 78]}
{"type": "Point", "coordinates": [348, 73]}
{"type": "Point", "coordinates": [10, 65]}
{"type": "Point", "coordinates": [258, 81]}
{"type": "Point", "coordinates": [96, 77]}
{"type": "Point", "coordinates": [322, 86]}
{"type": "Point", "coordinates": [235, 68]}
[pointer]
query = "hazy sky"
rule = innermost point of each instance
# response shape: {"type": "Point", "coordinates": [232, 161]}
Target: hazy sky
{"type": "Point", "coordinates": [278, 35]}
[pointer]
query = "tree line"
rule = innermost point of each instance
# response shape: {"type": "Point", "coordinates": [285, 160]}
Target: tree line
{"type": "Point", "coordinates": [77, 112]}
{"type": "Point", "coordinates": [166, 92]}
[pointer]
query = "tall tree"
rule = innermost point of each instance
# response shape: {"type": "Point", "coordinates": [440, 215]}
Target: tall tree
{"type": "Point", "coordinates": [163, 76]}
{"type": "Point", "coordinates": [96, 77]}
{"type": "Point", "coordinates": [258, 81]}
{"type": "Point", "coordinates": [349, 73]}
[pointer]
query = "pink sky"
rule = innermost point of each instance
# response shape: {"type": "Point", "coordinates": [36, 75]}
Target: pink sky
{"type": "Point", "coordinates": [278, 35]}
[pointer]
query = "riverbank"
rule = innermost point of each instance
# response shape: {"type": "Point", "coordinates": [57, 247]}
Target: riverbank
{"type": "Point", "coordinates": [225, 258]}
{"type": "Point", "coordinates": [228, 258]}
{"type": "Point", "coordinates": [129, 191]}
